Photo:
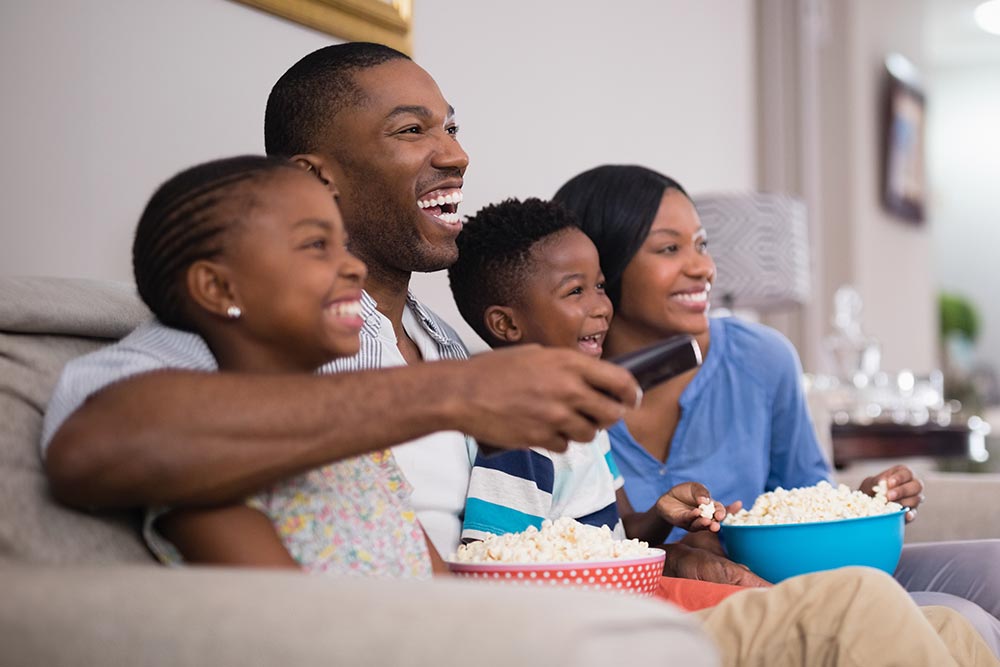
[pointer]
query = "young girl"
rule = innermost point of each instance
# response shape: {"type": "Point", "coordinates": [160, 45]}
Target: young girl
{"type": "Point", "coordinates": [250, 254]}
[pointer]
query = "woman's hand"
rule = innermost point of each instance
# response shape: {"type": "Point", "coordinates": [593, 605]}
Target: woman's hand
{"type": "Point", "coordinates": [680, 507]}
{"type": "Point", "coordinates": [689, 562]}
{"type": "Point", "coordinates": [902, 487]}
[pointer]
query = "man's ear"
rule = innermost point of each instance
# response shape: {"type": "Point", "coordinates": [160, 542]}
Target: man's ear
{"type": "Point", "coordinates": [501, 322]}
{"type": "Point", "coordinates": [210, 289]}
{"type": "Point", "coordinates": [318, 166]}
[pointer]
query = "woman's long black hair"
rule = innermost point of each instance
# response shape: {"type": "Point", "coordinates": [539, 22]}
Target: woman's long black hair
{"type": "Point", "coordinates": [615, 206]}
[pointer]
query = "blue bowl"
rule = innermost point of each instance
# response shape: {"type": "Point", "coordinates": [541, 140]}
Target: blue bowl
{"type": "Point", "coordinates": [781, 551]}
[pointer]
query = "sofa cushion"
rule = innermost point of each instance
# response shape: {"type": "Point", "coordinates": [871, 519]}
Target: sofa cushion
{"type": "Point", "coordinates": [45, 322]}
{"type": "Point", "coordinates": [222, 617]}
{"type": "Point", "coordinates": [89, 308]}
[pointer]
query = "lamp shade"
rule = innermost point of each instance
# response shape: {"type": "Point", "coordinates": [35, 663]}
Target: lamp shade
{"type": "Point", "coordinates": [760, 245]}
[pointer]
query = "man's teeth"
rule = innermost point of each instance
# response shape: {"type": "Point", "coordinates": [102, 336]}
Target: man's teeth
{"type": "Point", "coordinates": [693, 297]}
{"type": "Point", "coordinates": [448, 217]}
{"type": "Point", "coordinates": [441, 200]}
{"type": "Point", "coordinates": [345, 309]}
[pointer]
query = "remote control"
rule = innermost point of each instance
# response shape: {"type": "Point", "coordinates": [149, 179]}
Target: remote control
{"type": "Point", "coordinates": [662, 360]}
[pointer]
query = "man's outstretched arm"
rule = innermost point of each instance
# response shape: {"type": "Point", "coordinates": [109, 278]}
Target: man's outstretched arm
{"type": "Point", "coordinates": [188, 439]}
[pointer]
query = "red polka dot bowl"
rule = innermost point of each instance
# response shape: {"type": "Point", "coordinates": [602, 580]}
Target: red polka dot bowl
{"type": "Point", "coordinates": [628, 576]}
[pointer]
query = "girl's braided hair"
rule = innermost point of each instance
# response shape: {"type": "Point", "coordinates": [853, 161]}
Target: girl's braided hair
{"type": "Point", "coordinates": [186, 220]}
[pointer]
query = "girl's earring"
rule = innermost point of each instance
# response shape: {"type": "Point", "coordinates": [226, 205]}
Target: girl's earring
{"type": "Point", "coordinates": [234, 312]}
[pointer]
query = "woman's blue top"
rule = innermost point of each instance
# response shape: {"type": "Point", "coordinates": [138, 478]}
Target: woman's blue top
{"type": "Point", "coordinates": [744, 427]}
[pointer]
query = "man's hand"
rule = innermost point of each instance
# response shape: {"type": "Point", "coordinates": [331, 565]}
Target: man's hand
{"type": "Point", "coordinates": [182, 438]}
{"type": "Point", "coordinates": [540, 397]}
{"type": "Point", "coordinates": [689, 562]}
{"type": "Point", "coordinates": [680, 507]}
{"type": "Point", "coordinates": [902, 486]}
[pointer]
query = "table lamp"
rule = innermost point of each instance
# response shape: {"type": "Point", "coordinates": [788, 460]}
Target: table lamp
{"type": "Point", "coordinates": [760, 245]}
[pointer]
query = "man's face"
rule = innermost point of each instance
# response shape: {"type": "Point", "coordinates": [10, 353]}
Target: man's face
{"type": "Point", "coordinates": [399, 168]}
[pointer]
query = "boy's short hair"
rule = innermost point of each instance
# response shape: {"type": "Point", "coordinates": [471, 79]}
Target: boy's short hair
{"type": "Point", "coordinates": [494, 255]}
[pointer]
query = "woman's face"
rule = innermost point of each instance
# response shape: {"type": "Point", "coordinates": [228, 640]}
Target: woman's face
{"type": "Point", "coordinates": [665, 286]}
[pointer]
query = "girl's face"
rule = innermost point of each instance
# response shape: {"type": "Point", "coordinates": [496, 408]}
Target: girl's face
{"type": "Point", "coordinates": [298, 286]}
{"type": "Point", "coordinates": [665, 286]}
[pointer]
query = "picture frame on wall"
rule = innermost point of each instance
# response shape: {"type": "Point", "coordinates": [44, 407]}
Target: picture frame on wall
{"type": "Point", "coordinates": [903, 169]}
{"type": "Point", "coordinates": [388, 22]}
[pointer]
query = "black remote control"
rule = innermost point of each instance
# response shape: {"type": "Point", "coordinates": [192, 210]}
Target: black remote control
{"type": "Point", "coordinates": [651, 365]}
{"type": "Point", "coordinates": [662, 360]}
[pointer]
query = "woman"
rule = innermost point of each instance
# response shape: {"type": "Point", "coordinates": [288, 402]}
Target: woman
{"type": "Point", "coordinates": [739, 423]}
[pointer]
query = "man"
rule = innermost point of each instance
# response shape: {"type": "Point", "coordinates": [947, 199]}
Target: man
{"type": "Point", "coordinates": [373, 126]}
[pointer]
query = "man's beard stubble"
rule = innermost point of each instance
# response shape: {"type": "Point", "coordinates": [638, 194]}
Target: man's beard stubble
{"type": "Point", "coordinates": [386, 238]}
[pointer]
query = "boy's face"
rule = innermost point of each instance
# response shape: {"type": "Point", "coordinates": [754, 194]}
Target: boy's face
{"type": "Point", "coordinates": [563, 304]}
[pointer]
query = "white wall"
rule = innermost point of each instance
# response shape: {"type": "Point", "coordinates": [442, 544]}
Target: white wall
{"type": "Point", "coordinates": [104, 100]}
{"type": "Point", "coordinates": [822, 142]}
{"type": "Point", "coordinates": [964, 151]}
{"type": "Point", "coordinates": [890, 258]}
{"type": "Point", "coordinates": [544, 90]}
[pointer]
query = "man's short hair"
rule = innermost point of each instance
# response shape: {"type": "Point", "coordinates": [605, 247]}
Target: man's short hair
{"type": "Point", "coordinates": [494, 255]}
{"type": "Point", "coordinates": [313, 91]}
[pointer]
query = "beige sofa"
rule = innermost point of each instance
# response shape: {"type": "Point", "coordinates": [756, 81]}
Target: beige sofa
{"type": "Point", "coordinates": [80, 589]}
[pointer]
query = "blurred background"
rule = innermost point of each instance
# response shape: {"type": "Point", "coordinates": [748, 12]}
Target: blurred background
{"type": "Point", "coordinates": [103, 101]}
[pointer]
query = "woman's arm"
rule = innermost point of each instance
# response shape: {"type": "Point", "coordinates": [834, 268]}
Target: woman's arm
{"type": "Point", "coordinates": [689, 562]}
{"type": "Point", "coordinates": [229, 535]}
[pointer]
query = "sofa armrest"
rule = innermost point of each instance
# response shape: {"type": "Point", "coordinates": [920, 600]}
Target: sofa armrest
{"type": "Point", "coordinates": [146, 615]}
{"type": "Point", "coordinates": [69, 307]}
{"type": "Point", "coordinates": [959, 506]}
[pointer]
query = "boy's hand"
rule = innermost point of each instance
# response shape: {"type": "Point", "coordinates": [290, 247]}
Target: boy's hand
{"type": "Point", "coordinates": [690, 506]}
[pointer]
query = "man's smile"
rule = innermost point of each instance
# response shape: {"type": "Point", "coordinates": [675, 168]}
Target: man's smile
{"type": "Point", "coordinates": [442, 205]}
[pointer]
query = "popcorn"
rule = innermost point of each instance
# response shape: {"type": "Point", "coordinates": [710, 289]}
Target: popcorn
{"type": "Point", "coordinates": [707, 510]}
{"type": "Point", "coordinates": [564, 540]}
{"type": "Point", "coordinates": [813, 503]}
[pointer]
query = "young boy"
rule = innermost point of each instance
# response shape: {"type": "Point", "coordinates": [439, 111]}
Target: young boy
{"type": "Point", "coordinates": [526, 274]}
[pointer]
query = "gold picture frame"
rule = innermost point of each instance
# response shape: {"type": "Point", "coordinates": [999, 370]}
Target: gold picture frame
{"type": "Point", "coordinates": [388, 22]}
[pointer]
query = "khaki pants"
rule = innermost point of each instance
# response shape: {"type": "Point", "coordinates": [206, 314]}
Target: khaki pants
{"type": "Point", "coordinates": [851, 616]}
